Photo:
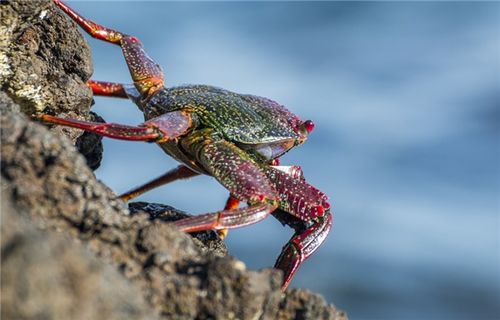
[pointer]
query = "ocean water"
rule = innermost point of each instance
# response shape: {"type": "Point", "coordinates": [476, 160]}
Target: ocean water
{"type": "Point", "coordinates": [406, 102]}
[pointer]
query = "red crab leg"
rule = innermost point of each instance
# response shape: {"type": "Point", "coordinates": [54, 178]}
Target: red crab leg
{"type": "Point", "coordinates": [109, 89]}
{"type": "Point", "coordinates": [234, 169]}
{"type": "Point", "coordinates": [310, 205]}
{"type": "Point", "coordinates": [231, 203]}
{"type": "Point", "coordinates": [226, 219]}
{"type": "Point", "coordinates": [163, 128]}
{"type": "Point", "coordinates": [147, 75]}
{"type": "Point", "coordinates": [181, 172]}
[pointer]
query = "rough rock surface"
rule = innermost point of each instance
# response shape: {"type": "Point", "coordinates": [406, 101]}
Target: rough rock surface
{"type": "Point", "coordinates": [70, 249]}
{"type": "Point", "coordinates": [47, 275]}
{"type": "Point", "coordinates": [44, 65]}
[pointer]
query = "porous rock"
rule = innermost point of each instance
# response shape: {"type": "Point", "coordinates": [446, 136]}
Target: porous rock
{"type": "Point", "coordinates": [48, 275]}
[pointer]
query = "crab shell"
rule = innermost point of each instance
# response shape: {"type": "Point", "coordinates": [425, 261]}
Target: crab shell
{"type": "Point", "coordinates": [260, 126]}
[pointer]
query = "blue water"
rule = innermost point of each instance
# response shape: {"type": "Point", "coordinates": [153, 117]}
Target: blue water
{"type": "Point", "coordinates": [405, 97]}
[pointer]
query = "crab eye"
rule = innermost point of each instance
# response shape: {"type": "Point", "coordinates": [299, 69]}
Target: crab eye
{"type": "Point", "coordinates": [309, 125]}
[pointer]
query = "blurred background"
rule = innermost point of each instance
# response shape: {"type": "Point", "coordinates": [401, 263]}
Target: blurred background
{"type": "Point", "coordinates": [405, 97]}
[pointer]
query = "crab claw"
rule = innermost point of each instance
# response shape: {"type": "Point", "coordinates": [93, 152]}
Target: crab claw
{"type": "Point", "coordinates": [301, 246]}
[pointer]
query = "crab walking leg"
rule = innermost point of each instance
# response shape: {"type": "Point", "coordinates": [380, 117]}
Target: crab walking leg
{"type": "Point", "coordinates": [108, 89]}
{"type": "Point", "coordinates": [234, 169]}
{"type": "Point", "coordinates": [147, 75]}
{"type": "Point", "coordinates": [111, 130]}
{"type": "Point", "coordinates": [163, 128]}
{"type": "Point", "coordinates": [301, 246]}
{"type": "Point", "coordinates": [231, 203]}
{"type": "Point", "coordinates": [226, 219]}
{"type": "Point", "coordinates": [181, 172]}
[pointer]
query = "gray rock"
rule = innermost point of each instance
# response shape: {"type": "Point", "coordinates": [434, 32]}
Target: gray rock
{"type": "Point", "coordinates": [303, 304]}
{"type": "Point", "coordinates": [48, 275]}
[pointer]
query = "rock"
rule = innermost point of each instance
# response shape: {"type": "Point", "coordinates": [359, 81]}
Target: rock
{"type": "Point", "coordinates": [47, 275]}
{"type": "Point", "coordinates": [90, 144]}
{"type": "Point", "coordinates": [70, 248]}
{"type": "Point", "coordinates": [303, 304]}
{"type": "Point", "coordinates": [45, 64]}
{"type": "Point", "coordinates": [206, 241]}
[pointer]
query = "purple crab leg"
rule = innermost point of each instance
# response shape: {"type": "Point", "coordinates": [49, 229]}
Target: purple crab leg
{"type": "Point", "coordinates": [308, 204]}
{"type": "Point", "coordinates": [147, 75]}
{"type": "Point", "coordinates": [236, 171]}
{"type": "Point", "coordinates": [181, 172]}
{"type": "Point", "coordinates": [163, 128]}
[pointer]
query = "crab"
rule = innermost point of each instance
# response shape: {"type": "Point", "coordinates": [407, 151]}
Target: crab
{"type": "Point", "coordinates": [235, 138]}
